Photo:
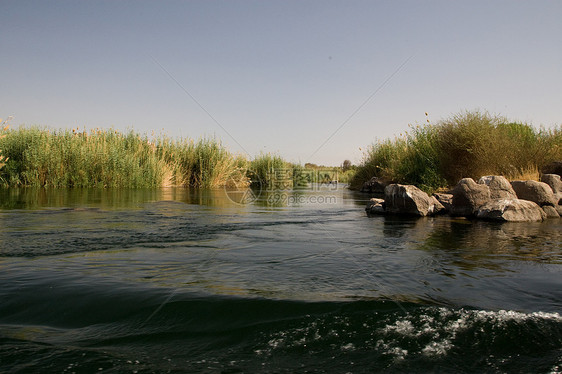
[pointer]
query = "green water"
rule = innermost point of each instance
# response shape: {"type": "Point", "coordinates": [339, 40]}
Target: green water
{"type": "Point", "coordinates": [177, 280]}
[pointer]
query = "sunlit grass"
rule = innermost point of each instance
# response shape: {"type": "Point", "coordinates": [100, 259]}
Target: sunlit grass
{"type": "Point", "coordinates": [41, 157]}
{"type": "Point", "coordinates": [109, 158]}
{"type": "Point", "coordinates": [468, 144]}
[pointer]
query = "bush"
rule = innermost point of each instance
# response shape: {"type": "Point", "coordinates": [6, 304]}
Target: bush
{"type": "Point", "coordinates": [469, 144]}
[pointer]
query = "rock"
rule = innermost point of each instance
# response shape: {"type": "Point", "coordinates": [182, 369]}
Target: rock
{"type": "Point", "coordinates": [375, 206]}
{"type": "Point", "coordinates": [436, 207]}
{"type": "Point", "coordinates": [446, 199]}
{"type": "Point", "coordinates": [554, 167]}
{"type": "Point", "coordinates": [550, 211]}
{"type": "Point", "coordinates": [375, 185]}
{"type": "Point", "coordinates": [468, 196]}
{"type": "Point", "coordinates": [500, 188]}
{"type": "Point", "coordinates": [406, 199]}
{"type": "Point", "coordinates": [511, 210]}
{"type": "Point", "coordinates": [553, 180]}
{"type": "Point", "coordinates": [538, 192]}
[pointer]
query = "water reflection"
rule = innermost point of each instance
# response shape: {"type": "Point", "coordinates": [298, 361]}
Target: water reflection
{"type": "Point", "coordinates": [108, 198]}
{"type": "Point", "coordinates": [182, 238]}
{"type": "Point", "coordinates": [475, 244]}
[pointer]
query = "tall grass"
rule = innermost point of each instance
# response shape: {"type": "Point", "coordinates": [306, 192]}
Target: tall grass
{"type": "Point", "coordinates": [205, 163]}
{"type": "Point", "coordinates": [468, 144]}
{"type": "Point", "coordinates": [40, 157]}
{"type": "Point", "coordinates": [102, 158]}
{"type": "Point", "coordinates": [271, 171]}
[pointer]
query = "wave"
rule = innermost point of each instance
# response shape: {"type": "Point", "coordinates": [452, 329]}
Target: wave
{"type": "Point", "coordinates": [199, 333]}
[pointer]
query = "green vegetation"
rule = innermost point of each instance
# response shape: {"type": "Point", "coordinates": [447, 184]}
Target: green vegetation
{"type": "Point", "coordinates": [431, 156]}
{"type": "Point", "coordinates": [40, 157]}
{"type": "Point", "coordinates": [271, 170]}
{"type": "Point", "coordinates": [275, 173]}
{"type": "Point", "coordinates": [469, 144]}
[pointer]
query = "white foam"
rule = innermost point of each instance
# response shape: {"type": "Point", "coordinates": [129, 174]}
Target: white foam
{"type": "Point", "coordinates": [443, 327]}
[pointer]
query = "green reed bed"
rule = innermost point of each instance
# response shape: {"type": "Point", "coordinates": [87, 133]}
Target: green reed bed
{"type": "Point", "coordinates": [101, 158]}
{"type": "Point", "coordinates": [271, 170]}
{"type": "Point", "coordinates": [468, 144]}
{"type": "Point", "coordinates": [41, 157]}
{"type": "Point", "coordinates": [205, 163]}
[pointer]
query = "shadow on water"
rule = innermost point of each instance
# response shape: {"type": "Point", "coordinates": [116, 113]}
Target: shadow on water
{"type": "Point", "coordinates": [470, 241]}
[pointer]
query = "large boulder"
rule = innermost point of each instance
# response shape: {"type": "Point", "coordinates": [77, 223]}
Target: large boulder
{"type": "Point", "coordinates": [375, 185]}
{"type": "Point", "coordinates": [375, 206]}
{"type": "Point", "coordinates": [538, 192]}
{"type": "Point", "coordinates": [554, 181]}
{"type": "Point", "coordinates": [407, 199]}
{"type": "Point", "coordinates": [468, 197]}
{"type": "Point", "coordinates": [500, 188]}
{"type": "Point", "coordinates": [511, 210]}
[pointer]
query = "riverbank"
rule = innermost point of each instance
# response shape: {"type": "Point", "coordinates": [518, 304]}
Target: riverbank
{"type": "Point", "coordinates": [493, 198]}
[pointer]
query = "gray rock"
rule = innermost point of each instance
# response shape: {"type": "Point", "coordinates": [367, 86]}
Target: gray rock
{"type": "Point", "coordinates": [500, 188]}
{"type": "Point", "coordinates": [436, 207]}
{"type": "Point", "coordinates": [511, 210]}
{"type": "Point", "coordinates": [406, 199]}
{"type": "Point", "coordinates": [375, 185]}
{"type": "Point", "coordinates": [468, 197]}
{"type": "Point", "coordinates": [538, 192]}
{"type": "Point", "coordinates": [550, 211]}
{"type": "Point", "coordinates": [553, 180]}
{"type": "Point", "coordinates": [375, 206]}
{"type": "Point", "coordinates": [445, 199]}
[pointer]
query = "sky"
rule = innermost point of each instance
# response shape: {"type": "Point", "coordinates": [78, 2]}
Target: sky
{"type": "Point", "coordinates": [312, 81]}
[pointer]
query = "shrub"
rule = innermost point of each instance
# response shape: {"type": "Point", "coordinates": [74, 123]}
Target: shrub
{"type": "Point", "coordinates": [468, 144]}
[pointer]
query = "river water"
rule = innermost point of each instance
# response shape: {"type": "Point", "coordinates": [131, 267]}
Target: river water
{"type": "Point", "coordinates": [177, 280]}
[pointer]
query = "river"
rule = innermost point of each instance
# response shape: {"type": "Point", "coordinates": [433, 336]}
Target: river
{"type": "Point", "coordinates": [178, 280]}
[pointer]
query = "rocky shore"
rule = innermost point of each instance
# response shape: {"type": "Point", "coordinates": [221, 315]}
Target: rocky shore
{"type": "Point", "coordinates": [492, 198]}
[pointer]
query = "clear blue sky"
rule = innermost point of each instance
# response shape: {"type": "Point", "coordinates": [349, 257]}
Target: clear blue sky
{"type": "Point", "coordinates": [278, 76]}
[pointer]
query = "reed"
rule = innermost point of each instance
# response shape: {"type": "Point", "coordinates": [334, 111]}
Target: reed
{"type": "Point", "coordinates": [468, 144]}
{"type": "Point", "coordinates": [271, 171]}
{"type": "Point", "coordinates": [203, 164]}
{"type": "Point", "coordinates": [108, 158]}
